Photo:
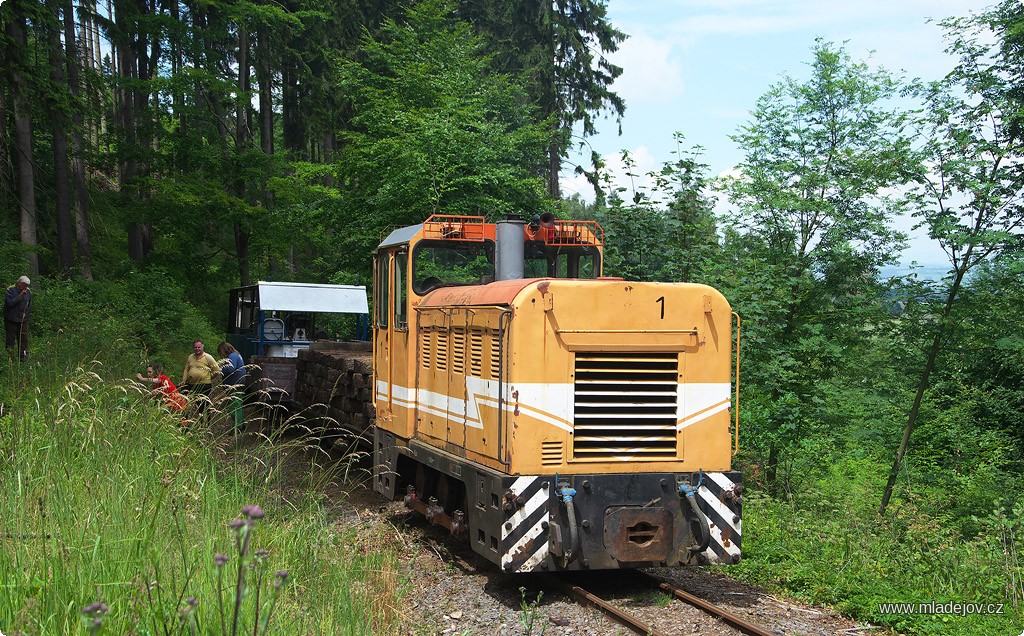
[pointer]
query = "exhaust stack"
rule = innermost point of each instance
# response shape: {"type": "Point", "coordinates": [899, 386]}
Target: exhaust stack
{"type": "Point", "coordinates": [511, 248]}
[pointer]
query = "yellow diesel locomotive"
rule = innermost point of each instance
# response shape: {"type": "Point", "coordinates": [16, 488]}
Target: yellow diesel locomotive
{"type": "Point", "coordinates": [556, 418]}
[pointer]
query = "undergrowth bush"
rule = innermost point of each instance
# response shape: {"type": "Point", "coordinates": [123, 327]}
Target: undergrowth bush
{"type": "Point", "coordinates": [828, 545]}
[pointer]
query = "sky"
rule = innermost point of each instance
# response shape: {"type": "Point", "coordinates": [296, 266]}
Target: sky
{"type": "Point", "coordinates": [698, 67]}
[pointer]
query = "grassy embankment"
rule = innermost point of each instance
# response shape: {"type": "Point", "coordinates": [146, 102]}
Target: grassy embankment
{"type": "Point", "coordinates": [829, 546]}
{"type": "Point", "coordinates": [106, 504]}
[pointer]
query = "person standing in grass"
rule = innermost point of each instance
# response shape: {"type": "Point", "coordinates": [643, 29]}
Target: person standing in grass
{"type": "Point", "coordinates": [201, 370]}
{"type": "Point", "coordinates": [17, 307]}
{"type": "Point", "coordinates": [233, 369]}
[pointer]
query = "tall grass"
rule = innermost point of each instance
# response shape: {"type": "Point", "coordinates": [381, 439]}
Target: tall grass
{"type": "Point", "coordinates": [107, 505]}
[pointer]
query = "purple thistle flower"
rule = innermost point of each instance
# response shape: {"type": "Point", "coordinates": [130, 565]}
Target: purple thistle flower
{"type": "Point", "coordinates": [220, 559]}
{"type": "Point", "coordinates": [191, 601]}
{"type": "Point", "coordinates": [262, 554]}
{"type": "Point", "coordinates": [252, 512]}
{"type": "Point", "coordinates": [235, 524]}
{"type": "Point", "coordinates": [281, 576]}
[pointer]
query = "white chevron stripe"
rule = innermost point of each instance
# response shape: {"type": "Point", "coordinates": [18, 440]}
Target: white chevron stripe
{"type": "Point", "coordinates": [538, 557]}
{"type": "Point", "coordinates": [723, 511]}
{"type": "Point", "coordinates": [699, 400]}
{"type": "Point", "coordinates": [538, 500]}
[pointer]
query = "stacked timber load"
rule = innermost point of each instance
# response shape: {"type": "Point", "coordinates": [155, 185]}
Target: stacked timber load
{"type": "Point", "coordinates": [334, 381]}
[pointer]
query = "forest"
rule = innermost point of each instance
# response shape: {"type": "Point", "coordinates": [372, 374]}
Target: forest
{"type": "Point", "coordinates": [156, 153]}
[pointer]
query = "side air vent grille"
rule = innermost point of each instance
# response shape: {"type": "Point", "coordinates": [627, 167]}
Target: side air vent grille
{"type": "Point", "coordinates": [551, 453]}
{"type": "Point", "coordinates": [495, 356]}
{"type": "Point", "coordinates": [476, 352]}
{"type": "Point", "coordinates": [425, 349]}
{"type": "Point", "coordinates": [459, 350]}
{"type": "Point", "coordinates": [441, 351]}
{"type": "Point", "coordinates": [625, 405]}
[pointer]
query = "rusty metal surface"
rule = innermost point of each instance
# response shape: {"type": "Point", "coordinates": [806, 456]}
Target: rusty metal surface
{"type": "Point", "coordinates": [739, 623]}
{"type": "Point", "coordinates": [641, 627]}
{"type": "Point", "coordinates": [616, 613]}
{"type": "Point", "coordinates": [634, 534]}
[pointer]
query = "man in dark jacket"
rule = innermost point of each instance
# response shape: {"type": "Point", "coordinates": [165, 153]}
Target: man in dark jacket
{"type": "Point", "coordinates": [17, 306]}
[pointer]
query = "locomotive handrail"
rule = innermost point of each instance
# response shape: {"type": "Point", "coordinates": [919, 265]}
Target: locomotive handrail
{"type": "Point", "coordinates": [736, 443]}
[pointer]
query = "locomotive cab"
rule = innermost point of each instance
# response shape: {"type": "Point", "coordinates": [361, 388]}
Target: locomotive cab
{"type": "Point", "coordinates": [555, 418]}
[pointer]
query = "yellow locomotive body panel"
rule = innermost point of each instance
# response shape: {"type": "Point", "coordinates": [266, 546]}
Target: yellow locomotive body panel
{"type": "Point", "coordinates": [655, 356]}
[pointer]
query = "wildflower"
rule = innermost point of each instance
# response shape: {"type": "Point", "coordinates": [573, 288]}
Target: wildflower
{"type": "Point", "coordinates": [252, 512]}
{"type": "Point", "coordinates": [95, 608]}
{"type": "Point", "coordinates": [93, 614]}
{"type": "Point", "coordinates": [220, 559]}
{"type": "Point", "coordinates": [281, 576]}
{"type": "Point", "coordinates": [262, 554]}
{"type": "Point", "coordinates": [235, 524]}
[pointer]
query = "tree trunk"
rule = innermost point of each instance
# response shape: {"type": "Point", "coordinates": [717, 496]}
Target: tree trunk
{"type": "Point", "coordinates": [922, 385]}
{"type": "Point", "coordinates": [6, 166]}
{"type": "Point", "coordinates": [554, 167]}
{"type": "Point", "coordinates": [17, 45]}
{"type": "Point", "coordinates": [78, 147]}
{"type": "Point", "coordinates": [264, 77]}
{"type": "Point", "coordinates": [242, 136]}
{"type": "Point", "coordinates": [58, 121]}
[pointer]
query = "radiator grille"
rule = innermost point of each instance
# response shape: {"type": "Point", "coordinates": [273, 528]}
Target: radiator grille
{"type": "Point", "coordinates": [625, 404]}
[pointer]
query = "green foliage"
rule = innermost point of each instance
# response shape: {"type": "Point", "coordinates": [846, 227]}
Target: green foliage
{"type": "Point", "coordinates": [811, 230]}
{"type": "Point", "coordinates": [436, 131]}
{"type": "Point", "coordinates": [113, 516]}
{"type": "Point", "coordinates": [830, 546]}
{"type": "Point", "coordinates": [666, 232]}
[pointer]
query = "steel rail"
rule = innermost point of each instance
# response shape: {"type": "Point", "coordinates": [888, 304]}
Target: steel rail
{"type": "Point", "coordinates": [611, 610]}
{"type": "Point", "coordinates": [741, 624]}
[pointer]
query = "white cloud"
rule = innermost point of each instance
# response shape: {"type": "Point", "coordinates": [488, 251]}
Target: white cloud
{"type": "Point", "coordinates": [650, 74]}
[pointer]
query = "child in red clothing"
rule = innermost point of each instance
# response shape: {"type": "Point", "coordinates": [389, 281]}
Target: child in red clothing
{"type": "Point", "coordinates": [163, 388]}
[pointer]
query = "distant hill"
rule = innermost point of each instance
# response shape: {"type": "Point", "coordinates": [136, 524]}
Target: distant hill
{"type": "Point", "coordinates": [931, 271]}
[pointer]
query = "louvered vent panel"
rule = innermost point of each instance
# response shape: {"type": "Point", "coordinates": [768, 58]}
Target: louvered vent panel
{"type": "Point", "coordinates": [476, 352]}
{"type": "Point", "coordinates": [459, 350]}
{"type": "Point", "coordinates": [551, 453]}
{"type": "Point", "coordinates": [425, 349]}
{"type": "Point", "coordinates": [441, 351]}
{"type": "Point", "coordinates": [495, 356]}
{"type": "Point", "coordinates": [625, 404]}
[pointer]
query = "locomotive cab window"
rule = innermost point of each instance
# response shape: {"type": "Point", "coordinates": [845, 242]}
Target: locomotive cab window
{"type": "Point", "coordinates": [447, 263]}
{"type": "Point", "coordinates": [401, 302]}
{"type": "Point", "coordinates": [380, 297]}
{"type": "Point", "coordinates": [551, 261]}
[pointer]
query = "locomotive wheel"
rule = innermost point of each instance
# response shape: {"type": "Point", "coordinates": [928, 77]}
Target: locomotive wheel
{"type": "Point", "coordinates": [424, 482]}
{"type": "Point", "coordinates": [445, 492]}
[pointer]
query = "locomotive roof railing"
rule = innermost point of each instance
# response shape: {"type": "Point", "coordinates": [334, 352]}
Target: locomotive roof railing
{"type": "Point", "coordinates": [575, 233]}
{"type": "Point", "coordinates": [454, 227]}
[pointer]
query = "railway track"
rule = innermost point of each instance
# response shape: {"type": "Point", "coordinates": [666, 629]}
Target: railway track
{"type": "Point", "coordinates": [640, 626]}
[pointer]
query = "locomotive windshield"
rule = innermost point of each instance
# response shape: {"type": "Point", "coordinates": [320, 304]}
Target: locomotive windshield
{"type": "Point", "coordinates": [446, 263]}
{"type": "Point", "coordinates": [560, 261]}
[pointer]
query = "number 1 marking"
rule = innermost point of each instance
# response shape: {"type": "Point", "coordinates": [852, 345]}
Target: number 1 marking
{"type": "Point", "coordinates": [662, 301]}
